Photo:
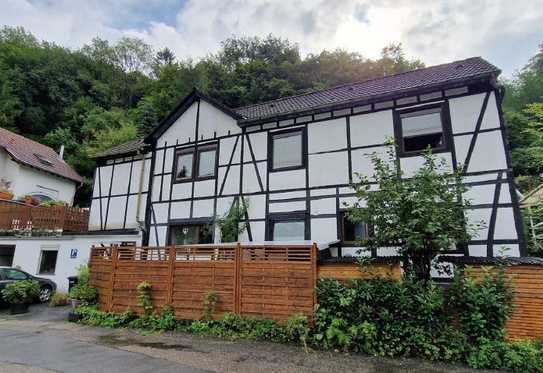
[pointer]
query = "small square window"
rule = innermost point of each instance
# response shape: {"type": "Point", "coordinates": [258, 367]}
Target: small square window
{"type": "Point", "coordinates": [353, 233]}
{"type": "Point", "coordinates": [48, 262]}
{"type": "Point", "coordinates": [420, 129]}
{"type": "Point", "coordinates": [190, 234]}
{"type": "Point", "coordinates": [184, 166]}
{"type": "Point", "coordinates": [287, 150]}
{"type": "Point", "coordinates": [287, 227]}
{"type": "Point", "coordinates": [206, 162]}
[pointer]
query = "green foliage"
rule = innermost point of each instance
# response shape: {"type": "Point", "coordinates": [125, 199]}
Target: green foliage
{"type": "Point", "coordinates": [208, 304]}
{"type": "Point", "coordinates": [516, 356]}
{"type": "Point", "coordinates": [58, 299]}
{"type": "Point", "coordinates": [385, 318]}
{"type": "Point", "coordinates": [52, 202]}
{"type": "Point", "coordinates": [83, 275]}
{"type": "Point", "coordinates": [83, 293]}
{"type": "Point", "coordinates": [483, 305]}
{"type": "Point", "coordinates": [144, 297]}
{"type": "Point", "coordinates": [230, 224]}
{"type": "Point", "coordinates": [423, 214]}
{"type": "Point", "coordinates": [20, 292]}
{"type": "Point", "coordinates": [297, 329]}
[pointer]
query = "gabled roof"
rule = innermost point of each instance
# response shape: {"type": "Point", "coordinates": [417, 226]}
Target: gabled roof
{"type": "Point", "coordinates": [129, 147]}
{"type": "Point", "coordinates": [433, 76]}
{"type": "Point", "coordinates": [33, 154]}
{"type": "Point", "coordinates": [182, 107]}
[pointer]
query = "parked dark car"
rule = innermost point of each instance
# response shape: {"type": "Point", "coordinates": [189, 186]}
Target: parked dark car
{"type": "Point", "coordinates": [9, 275]}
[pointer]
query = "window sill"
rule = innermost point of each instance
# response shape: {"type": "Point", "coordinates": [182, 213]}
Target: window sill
{"type": "Point", "coordinates": [289, 168]}
{"type": "Point", "coordinates": [418, 153]}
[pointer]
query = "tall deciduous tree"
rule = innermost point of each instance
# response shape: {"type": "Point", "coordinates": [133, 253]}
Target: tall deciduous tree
{"type": "Point", "coordinates": [422, 215]}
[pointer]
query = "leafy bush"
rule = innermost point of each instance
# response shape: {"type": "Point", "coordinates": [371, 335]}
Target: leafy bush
{"type": "Point", "coordinates": [516, 356]}
{"type": "Point", "coordinates": [385, 318]}
{"type": "Point", "coordinates": [208, 304]}
{"type": "Point", "coordinates": [83, 275]}
{"type": "Point", "coordinates": [52, 202]}
{"type": "Point", "coordinates": [483, 305]}
{"type": "Point", "coordinates": [20, 292]}
{"type": "Point", "coordinates": [58, 299]}
{"type": "Point", "coordinates": [144, 297]}
{"type": "Point", "coordinates": [83, 293]}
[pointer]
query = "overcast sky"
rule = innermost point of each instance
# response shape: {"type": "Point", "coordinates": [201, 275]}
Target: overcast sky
{"type": "Point", "coordinates": [506, 32]}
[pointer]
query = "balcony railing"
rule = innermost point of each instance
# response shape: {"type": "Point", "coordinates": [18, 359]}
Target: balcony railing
{"type": "Point", "coordinates": [19, 218]}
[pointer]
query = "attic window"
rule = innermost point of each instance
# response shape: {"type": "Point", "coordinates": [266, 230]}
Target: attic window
{"type": "Point", "coordinates": [43, 160]}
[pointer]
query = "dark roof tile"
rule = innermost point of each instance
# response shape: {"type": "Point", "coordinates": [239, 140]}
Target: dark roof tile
{"type": "Point", "coordinates": [128, 147]}
{"type": "Point", "coordinates": [457, 71]}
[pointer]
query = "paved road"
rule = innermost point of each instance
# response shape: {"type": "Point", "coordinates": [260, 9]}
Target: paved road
{"type": "Point", "coordinates": [42, 342]}
{"type": "Point", "coordinates": [62, 354]}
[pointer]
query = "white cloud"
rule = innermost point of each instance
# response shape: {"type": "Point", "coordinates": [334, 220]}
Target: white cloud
{"type": "Point", "coordinates": [435, 31]}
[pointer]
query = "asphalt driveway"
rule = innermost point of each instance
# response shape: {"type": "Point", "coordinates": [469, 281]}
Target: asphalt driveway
{"type": "Point", "coordinates": [43, 341]}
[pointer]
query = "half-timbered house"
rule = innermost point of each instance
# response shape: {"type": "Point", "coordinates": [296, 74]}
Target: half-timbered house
{"type": "Point", "coordinates": [294, 160]}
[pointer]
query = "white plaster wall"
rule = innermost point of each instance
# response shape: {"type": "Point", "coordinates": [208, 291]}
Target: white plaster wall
{"type": "Point", "coordinates": [328, 169]}
{"type": "Point", "coordinates": [327, 135]}
{"type": "Point", "coordinates": [213, 122]}
{"type": "Point", "coordinates": [371, 129]}
{"type": "Point", "coordinates": [28, 253]}
{"type": "Point", "coordinates": [182, 130]}
{"type": "Point", "coordinates": [287, 179]}
{"type": "Point", "coordinates": [26, 180]}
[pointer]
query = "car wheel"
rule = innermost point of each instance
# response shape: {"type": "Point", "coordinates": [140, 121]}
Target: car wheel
{"type": "Point", "coordinates": [45, 294]}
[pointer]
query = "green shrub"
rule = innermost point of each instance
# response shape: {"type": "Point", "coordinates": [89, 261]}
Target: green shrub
{"type": "Point", "coordinates": [83, 275]}
{"type": "Point", "coordinates": [58, 299]}
{"type": "Point", "coordinates": [208, 304]}
{"type": "Point", "coordinates": [515, 356]}
{"type": "Point", "coordinates": [83, 293]}
{"type": "Point", "coordinates": [483, 306]}
{"type": "Point", "coordinates": [144, 297]}
{"type": "Point", "coordinates": [20, 292]}
{"type": "Point", "coordinates": [297, 329]}
{"type": "Point", "coordinates": [385, 318]}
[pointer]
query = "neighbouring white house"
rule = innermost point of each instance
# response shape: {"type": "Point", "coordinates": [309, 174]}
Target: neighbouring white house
{"type": "Point", "coordinates": [34, 169]}
{"type": "Point", "coordinates": [294, 160]}
{"type": "Point", "coordinates": [50, 242]}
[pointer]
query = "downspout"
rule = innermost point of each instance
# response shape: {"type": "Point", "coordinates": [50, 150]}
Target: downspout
{"type": "Point", "coordinates": [140, 223]}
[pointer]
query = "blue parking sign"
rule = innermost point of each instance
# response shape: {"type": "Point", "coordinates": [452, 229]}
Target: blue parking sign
{"type": "Point", "coordinates": [73, 253]}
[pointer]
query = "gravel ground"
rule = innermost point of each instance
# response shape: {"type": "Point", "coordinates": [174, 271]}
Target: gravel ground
{"type": "Point", "coordinates": [182, 352]}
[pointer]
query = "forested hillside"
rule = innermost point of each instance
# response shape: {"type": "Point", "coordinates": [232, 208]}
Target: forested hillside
{"type": "Point", "coordinates": [103, 94]}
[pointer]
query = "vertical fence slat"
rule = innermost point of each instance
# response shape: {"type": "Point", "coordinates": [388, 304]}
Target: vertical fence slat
{"type": "Point", "coordinates": [171, 270]}
{"type": "Point", "coordinates": [114, 259]}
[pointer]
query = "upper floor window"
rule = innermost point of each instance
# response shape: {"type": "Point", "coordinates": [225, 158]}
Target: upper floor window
{"type": "Point", "coordinates": [421, 128]}
{"type": "Point", "coordinates": [195, 163]}
{"type": "Point", "coordinates": [287, 150]}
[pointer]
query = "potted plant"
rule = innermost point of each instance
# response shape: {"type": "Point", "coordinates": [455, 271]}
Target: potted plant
{"type": "Point", "coordinates": [20, 294]}
{"type": "Point", "coordinates": [82, 295]}
{"type": "Point", "coordinates": [5, 192]}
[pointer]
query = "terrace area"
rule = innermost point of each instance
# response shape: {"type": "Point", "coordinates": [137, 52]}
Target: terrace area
{"type": "Point", "coordinates": [20, 219]}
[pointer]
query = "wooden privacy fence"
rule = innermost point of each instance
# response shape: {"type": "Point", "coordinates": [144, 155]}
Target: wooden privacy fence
{"type": "Point", "coordinates": [269, 281]}
{"type": "Point", "coordinates": [18, 216]}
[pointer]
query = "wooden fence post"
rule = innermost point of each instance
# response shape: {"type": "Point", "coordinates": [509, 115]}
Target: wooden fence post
{"type": "Point", "coordinates": [237, 280]}
{"type": "Point", "coordinates": [314, 255]}
{"type": "Point", "coordinates": [114, 258]}
{"type": "Point", "coordinates": [171, 269]}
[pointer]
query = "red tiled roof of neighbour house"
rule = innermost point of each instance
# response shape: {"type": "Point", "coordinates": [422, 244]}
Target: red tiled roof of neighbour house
{"type": "Point", "coordinates": [458, 71]}
{"type": "Point", "coordinates": [33, 154]}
